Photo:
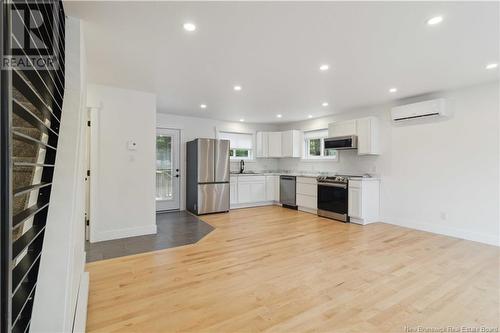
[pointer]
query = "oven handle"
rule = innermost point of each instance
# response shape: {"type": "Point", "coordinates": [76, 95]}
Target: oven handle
{"type": "Point", "coordinates": [333, 185]}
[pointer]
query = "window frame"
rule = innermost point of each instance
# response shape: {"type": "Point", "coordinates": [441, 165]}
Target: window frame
{"type": "Point", "coordinates": [251, 151]}
{"type": "Point", "coordinates": [322, 156]}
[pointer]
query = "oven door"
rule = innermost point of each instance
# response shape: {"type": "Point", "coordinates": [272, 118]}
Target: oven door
{"type": "Point", "coordinates": [333, 201]}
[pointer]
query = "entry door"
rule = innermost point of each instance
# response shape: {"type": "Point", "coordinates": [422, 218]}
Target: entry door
{"type": "Point", "coordinates": [167, 169]}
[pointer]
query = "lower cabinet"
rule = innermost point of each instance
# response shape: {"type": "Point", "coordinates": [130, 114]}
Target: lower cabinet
{"type": "Point", "coordinates": [272, 188]}
{"type": "Point", "coordinates": [233, 190]}
{"type": "Point", "coordinates": [364, 201]}
{"type": "Point", "coordinates": [354, 206]}
{"type": "Point", "coordinates": [251, 189]}
{"type": "Point", "coordinates": [307, 194]}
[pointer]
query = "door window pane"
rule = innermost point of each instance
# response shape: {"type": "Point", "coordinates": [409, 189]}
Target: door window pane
{"type": "Point", "coordinates": [163, 167]}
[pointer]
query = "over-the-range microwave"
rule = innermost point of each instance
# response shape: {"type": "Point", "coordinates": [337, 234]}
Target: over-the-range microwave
{"type": "Point", "coordinates": [342, 142]}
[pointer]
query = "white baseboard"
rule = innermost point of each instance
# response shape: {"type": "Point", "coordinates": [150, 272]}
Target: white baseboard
{"type": "Point", "coordinates": [80, 322]}
{"type": "Point", "coordinates": [448, 231]}
{"type": "Point", "coordinates": [100, 236]}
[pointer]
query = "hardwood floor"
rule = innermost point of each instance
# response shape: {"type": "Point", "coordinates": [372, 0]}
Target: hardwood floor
{"type": "Point", "coordinates": [278, 270]}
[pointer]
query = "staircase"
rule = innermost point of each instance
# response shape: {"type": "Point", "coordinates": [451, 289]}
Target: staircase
{"type": "Point", "coordinates": [31, 110]}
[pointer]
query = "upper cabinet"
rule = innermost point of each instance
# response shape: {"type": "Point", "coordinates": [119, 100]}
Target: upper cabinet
{"type": "Point", "coordinates": [291, 143]}
{"type": "Point", "coordinates": [368, 136]}
{"type": "Point", "coordinates": [262, 144]}
{"type": "Point", "coordinates": [366, 129]}
{"type": "Point", "coordinates": [274, 144]}
{"type": "Point", "coordinates": [279, 144]}
{"type": "Point", "coordinates": [342, 128]}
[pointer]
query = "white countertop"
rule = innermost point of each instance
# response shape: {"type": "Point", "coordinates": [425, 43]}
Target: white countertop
{"type": "Point", "coordinates": [298, 174]}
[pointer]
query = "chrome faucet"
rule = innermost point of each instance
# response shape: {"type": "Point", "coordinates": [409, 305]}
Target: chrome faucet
{"type": "Point", "coordinates": [242, 166]}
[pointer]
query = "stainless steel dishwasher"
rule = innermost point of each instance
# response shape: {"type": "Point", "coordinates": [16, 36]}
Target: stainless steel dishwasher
{"type": "Point", "coordinates": [288, 191]}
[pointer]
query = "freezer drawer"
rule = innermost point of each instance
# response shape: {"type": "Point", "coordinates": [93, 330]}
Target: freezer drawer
{"type": "Point", "coordinates": [213, 198]}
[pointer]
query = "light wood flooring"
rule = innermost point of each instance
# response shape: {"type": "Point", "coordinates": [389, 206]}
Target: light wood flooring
{"type": "Point", "coordinates": [278, 270]}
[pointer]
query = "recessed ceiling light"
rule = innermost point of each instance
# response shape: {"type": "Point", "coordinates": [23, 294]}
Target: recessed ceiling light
{"type": "Point", "coordinates": [242, 120]}
{"type": "Point", "coordinates": [393, 90]}
{"type": "Point", "coordinates": [492, 66]}
{"type": "Point", "coordinates": [309, 116]}
{"type": "Point", "coordinates": [237, 88]}
{"type": "Point", "coordinates": [188, 26]}
{"type": "Point", "coordinates": [324, 67]}
{"type": "Point", "coordinates": [324, 104]}
{"type": "Point", "coordinates": [279, 115]}
{"type": "Point", "coordinates": [435, 20]}
{"type": "Point", "coordinates": [203, 106]}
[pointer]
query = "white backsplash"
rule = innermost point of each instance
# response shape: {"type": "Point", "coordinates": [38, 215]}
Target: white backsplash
{"type": "Point", "coordinates": [349, 163]}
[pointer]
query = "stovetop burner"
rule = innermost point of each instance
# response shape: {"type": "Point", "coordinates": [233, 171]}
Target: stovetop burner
{"type": "Point", "coordinates": [332, 179]}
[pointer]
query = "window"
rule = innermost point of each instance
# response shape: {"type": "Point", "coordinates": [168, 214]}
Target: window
{"type": "Point", "coordinates": [314, 143]}
{"type": "Point", "coordinates": [241, 146]}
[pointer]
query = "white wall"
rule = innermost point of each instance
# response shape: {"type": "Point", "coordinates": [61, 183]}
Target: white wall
{"type": "Point", "coordinates": [437, 176]}
{"type": "Point", "coordinates": [193, 127]}
{"type": "Point", "coordinates": [63, 257]}
{"type": "Point", "coordinates": [123, 181]}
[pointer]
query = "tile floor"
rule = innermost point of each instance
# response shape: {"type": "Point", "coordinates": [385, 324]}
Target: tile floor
{"type": "Point", "coordinates": [174, 229]}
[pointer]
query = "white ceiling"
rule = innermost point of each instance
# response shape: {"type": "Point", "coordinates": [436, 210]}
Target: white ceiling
{"type": "Point", "coordinates": [273, 50]}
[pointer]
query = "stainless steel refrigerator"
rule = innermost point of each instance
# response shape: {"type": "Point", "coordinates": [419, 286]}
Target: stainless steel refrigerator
{"type": "Point", "coordinates": [207, 167]}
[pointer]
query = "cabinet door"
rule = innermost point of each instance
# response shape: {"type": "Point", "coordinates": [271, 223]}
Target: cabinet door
{"type": "Point", "coordinates": [287, 144]}
{"type": "Point", "coordinates": [262, 144]}
{"type": "Point", "coordinates": [354, 205]}
{"type": "Point", "coordinates": [342, 128]}
{"type": "Point", "coordinates": [233, 193]}
{"type": "Point", "coordinates": [368, 136]}
{"type": "Point", "coordinates": [258, 191]}
{"type": "Point", "coordinates": [307, 201]}
{"type": "Point", "coordinates": [277, 188]}
{"type": "Point", "coordinates": [274, 144]}
{"type": "Point", "coordinates": [271, 188]}
{"type": "Point", "coordinates": [364, 136]}
{"type": "Point", "coordinates": [244, 192]}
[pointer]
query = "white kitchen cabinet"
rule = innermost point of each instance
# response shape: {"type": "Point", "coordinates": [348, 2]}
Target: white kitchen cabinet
{"type": "Point", "coordinates": [272, 188]}
{"type": "Point", "coordinates": [307, 194]}
{"type": "Point", "coordinates": [291, 143]}
{"type": "Point", "coordinates": [354, 203]}
{"type": "Point", "coordinates": [342, 128]}
{"type": "Point", "coordinates": [367, 130]}
{"type": "Point", "coordinates": [251, 189]}
{"type": "Point", "coordinates": [274, 143]}
{"type": "Point", "coordinates": [244, 192]}
{"type": "Point", "coordinates": [233, 190]}
{"type": "Point", "coordinates": [258, 191]}
{"type": "Point", "coordinates": [364, 201]}
{"type": "Point", "coordinates": [262, 144]}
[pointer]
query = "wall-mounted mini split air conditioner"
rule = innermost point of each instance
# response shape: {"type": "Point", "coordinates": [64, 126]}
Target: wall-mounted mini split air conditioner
{"type": "Point", "coordinates": [435, 108]}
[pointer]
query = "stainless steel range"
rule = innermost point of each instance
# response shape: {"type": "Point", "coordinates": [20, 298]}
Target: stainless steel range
{"type": "Point", "coordinates": [333, 198]}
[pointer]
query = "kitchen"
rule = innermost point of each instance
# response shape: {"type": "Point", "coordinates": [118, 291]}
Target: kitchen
{"type": "Point", "coordinates": [326, 194]}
